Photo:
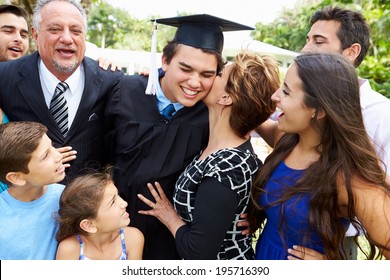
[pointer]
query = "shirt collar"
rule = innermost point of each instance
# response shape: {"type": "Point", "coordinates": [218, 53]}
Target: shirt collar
{"type": "Point", "coordinates": [365, 89]}
{"type": "Point", "coordinates": [51, 81]}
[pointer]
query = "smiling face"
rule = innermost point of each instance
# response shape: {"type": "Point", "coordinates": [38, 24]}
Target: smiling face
{"type": "Point", "coordinates": [13, 37]}
{"type": "Point", "coordinates": [45, 166]}
{"type": "Point", "coordinates": [189, 76]}
{"type": "Point", "coordinates": [61, 38]}
{"type": "Point", "coordinates": [294, 116]}
{"type": "Point", "coordinates": [112, 213]}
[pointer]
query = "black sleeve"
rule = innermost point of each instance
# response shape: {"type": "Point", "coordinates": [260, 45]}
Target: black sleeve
{"type": "Point", "coordinates": [214, 210]}
{"type": "Point", "coordinates": [110, 118]}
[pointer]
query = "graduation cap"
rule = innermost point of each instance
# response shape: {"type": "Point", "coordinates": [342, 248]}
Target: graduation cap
{"type": "Point", "coordinates": [200, 31]}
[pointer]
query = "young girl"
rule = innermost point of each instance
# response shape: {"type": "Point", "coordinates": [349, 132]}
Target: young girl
{"type": "Point", "coordinates": [93, 222]}
{"type": "Point", "coordinates": [323, 173]}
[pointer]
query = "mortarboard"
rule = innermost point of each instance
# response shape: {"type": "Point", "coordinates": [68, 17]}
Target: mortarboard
{"type": "Point", "coordinates": [200, 31]}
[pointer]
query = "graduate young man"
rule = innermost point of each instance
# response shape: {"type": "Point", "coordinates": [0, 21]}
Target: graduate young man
{"type": "Point", "coordinates": [150, 144]}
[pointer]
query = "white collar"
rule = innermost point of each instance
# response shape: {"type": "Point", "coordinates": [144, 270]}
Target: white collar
{"type": "Point", "coordinates": [51, 81]}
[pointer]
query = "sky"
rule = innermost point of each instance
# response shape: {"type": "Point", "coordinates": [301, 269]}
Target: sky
{"type": "Point", "coordinates": [246, 12]}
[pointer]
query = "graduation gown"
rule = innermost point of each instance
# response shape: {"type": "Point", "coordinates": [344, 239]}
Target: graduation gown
{"type": "Point", "coordinates": [146, 148]}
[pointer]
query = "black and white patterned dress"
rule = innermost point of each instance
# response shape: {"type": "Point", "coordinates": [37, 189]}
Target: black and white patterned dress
{"type": "Point", "coordinates": [210, 195]}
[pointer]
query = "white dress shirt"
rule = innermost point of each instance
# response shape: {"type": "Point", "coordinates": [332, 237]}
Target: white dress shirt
{"type": "Point", "coordinates": [376, 116]}
{"type": "Point", "coordinates": [72, 95]}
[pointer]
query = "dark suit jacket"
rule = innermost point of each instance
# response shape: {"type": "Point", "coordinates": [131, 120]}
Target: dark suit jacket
{"type": "Point", "coordinates": [22, 99]}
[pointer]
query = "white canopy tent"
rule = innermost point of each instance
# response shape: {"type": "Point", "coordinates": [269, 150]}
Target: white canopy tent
{"type": "Point", "coordinates": [131, 62]}
{"type": "Point", "coordinates": [285, 57]}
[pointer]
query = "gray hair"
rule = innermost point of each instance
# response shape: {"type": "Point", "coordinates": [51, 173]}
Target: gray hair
{"type": "Point", "coordinates": [36, 22]}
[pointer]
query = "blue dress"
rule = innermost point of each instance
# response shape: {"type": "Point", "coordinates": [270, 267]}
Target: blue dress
{"type": "Point", "coordinates": [271, 244]}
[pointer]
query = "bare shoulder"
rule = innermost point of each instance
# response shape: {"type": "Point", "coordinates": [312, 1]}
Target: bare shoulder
{"type": "Point", "coordinates": [68, 249]}
{"type": "Point", "coordinates": [134, 243]}
{"type": "Point", "coordinates": [133, 233]}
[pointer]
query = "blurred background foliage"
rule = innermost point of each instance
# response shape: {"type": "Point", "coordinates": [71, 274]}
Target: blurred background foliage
{"type": "Point", "coordinates": [289, 31]}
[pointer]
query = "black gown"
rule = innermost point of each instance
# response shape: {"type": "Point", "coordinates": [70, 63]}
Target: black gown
{"type": "Point", "coordinates": [147, 148]}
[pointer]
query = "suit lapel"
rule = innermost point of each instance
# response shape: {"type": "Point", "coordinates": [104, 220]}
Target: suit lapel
{"type": "Point", "coordinates": [90, 94]}
{"type": "Point", "coordinates": [29, 86]}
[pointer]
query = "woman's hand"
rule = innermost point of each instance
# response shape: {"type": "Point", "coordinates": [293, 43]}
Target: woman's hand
{"type": "Point", "coordinates": [304, 253]}
{"type": "Point", "coordinates": [244, 223]}
{"type": "Point", "coordinates": [162, 208]}
{"type": "Point", "coordinates": [105, 64]}
{"type": "Point", "coordinates": [68, 154]}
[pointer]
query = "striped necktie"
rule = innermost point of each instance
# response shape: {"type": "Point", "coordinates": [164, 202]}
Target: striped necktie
{"type": "Point", "coordinates": [59, 107]}
{"type": "Point", "coordinates": [168, 111]}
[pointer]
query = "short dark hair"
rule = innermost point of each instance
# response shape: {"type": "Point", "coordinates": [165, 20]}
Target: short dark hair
{"type": "Point", "coordinates": [353, 28]}
{"type": "Point", "coordinates": [12, 9]}
{"type": "Point", "coordinates": [18, 140]}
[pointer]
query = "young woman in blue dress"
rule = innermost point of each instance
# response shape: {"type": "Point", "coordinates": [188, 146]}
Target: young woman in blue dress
{"type": "Point", "coordinates": [323, 173]}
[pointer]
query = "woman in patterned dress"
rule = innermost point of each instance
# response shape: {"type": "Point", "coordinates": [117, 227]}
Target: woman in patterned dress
{"type": "Point", "coordinates": [213, 190]}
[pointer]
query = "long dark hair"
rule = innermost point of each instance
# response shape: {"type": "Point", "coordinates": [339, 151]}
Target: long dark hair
{"type": "Point", "coordinates": [330, 84]}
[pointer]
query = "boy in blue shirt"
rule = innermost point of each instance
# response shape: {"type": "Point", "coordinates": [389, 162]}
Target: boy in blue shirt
{"type": "Point", "coordinates": [30, 166]}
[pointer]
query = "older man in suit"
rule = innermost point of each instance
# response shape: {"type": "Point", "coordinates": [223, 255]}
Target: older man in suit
{"type": "Point", "coordinates": [58, 86]}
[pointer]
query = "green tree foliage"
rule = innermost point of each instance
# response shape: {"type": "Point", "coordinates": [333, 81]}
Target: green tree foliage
{"type": "Point", "coordinates": [376, 66]}
{"type": "Point", "coordinates": [289, 31]}
{"type": "Point", "coordinates": [111, 27]}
